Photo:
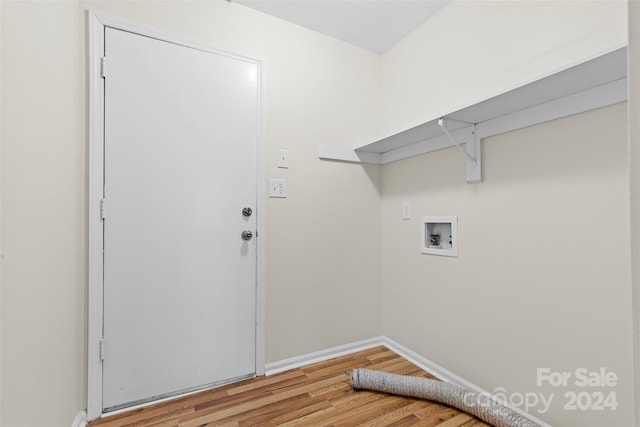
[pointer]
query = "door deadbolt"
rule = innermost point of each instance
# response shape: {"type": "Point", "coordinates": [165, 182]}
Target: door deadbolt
{"type": "Point", "coordinates": [247, 211]}
{"type": "Point", "coordinates": [247, 235]}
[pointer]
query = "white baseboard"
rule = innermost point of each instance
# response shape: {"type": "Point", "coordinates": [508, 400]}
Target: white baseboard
{"type": "Point", "coordinates": [322, 355]}
{"type": "Point", "coordinates": [343, 350]}
{"type": "Point", "coordinates": [446, 375]}
{"type": "Point", "coordinates": [81, 419]}
{"type": "Point", "coordinates": [429, 366]}
{"type": "Point", "coordinates": [410, 355]}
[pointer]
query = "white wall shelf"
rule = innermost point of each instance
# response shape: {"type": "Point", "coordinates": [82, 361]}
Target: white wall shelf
{"type": "Point", "coordinates": [596, 83]}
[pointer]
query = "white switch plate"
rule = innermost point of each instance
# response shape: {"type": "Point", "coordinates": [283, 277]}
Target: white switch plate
{"type": "Point", "coordinates": [406, 210]}
{"type": "Point", "coordinates": [278, 188]}
{"type": "Point", "coordinates": [283, 159]}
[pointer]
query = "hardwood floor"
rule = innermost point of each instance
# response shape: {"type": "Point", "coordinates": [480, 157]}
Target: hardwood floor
{"type": "Point", "coordinates": [315, 395]}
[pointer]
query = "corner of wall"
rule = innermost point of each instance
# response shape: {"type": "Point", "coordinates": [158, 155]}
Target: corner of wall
{"type": "Point", "coordinates": [1, 256]}
{"type": "Point", "coordinates": [634, 179]}
{"type": "Point", "coordinates": [80, 420]}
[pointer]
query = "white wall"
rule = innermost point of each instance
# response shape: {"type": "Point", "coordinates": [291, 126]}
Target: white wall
{"type": "Point", "coordinates": [634, 160]}
{"type": "Point", "coordinates": [1, 251]}
{"type": "Point", "coordinates": [323, 242]}
{"type": "Point", "coordinates": [42, 214]}
{"type": "Point", "coordinates": [471, 50]}
{"type": "Point", "coordinates": [543, 278]}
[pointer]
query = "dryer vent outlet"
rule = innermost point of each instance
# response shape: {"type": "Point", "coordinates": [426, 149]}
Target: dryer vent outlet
{"type": "Point", "coordinates": [482, 406]}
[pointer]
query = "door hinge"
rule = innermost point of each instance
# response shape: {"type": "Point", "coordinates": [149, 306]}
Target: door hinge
{"type": "Point", "coordinates": [102, 349]}
{"type": "Point", "coordinates": [103, 67]}
{"type": "Point", "coordinates": [103, 208]}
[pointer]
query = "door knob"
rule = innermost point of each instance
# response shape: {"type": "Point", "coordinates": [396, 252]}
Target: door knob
{"type": "Point", "coordinates": [247, 235]}
{"type": "Point", "coordinates": [247, 211]}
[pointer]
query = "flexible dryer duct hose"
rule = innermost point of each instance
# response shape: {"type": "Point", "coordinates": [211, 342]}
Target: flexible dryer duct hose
{"type": "Point", "coordinates": [488, 410]}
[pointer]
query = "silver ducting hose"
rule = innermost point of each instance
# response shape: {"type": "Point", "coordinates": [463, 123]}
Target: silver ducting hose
{"type": "Point", "coordinates": [483, 407]}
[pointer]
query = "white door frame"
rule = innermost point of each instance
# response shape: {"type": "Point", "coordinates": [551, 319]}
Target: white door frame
{"type": "Point", "coordinates": [97, 22]}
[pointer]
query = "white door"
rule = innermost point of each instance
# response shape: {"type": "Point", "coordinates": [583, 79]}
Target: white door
{"type": "Point", "coordinates": [181, 130]}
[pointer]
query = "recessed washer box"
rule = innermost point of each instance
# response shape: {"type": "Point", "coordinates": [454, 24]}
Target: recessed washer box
{"type": "Point", "coordinates": [439, 235]}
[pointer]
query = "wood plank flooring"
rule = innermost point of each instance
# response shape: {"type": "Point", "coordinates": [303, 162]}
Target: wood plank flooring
{"type": "Point", "coordinates": [315, 395]}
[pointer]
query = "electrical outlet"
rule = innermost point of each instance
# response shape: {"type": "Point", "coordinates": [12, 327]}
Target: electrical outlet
{"type": "Point", "coordinates": [278, 188]}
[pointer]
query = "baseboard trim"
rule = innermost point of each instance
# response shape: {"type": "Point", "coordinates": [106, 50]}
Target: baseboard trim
{"type": "Point", "coordinates": [81, 419]}
{"type": "Point", "coordinates": [322, 355]}
{"type": "Point", "coordinates": [446, 375]}
{"type": "Point", "coordinates": [410, 355]}
{"type": "Point", "coordinates": [345, 349]}
{"type": "Point", "coordinates": [429, 366]}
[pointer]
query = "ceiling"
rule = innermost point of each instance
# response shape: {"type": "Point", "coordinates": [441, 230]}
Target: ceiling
{"type": "Point", "coordinates": [375, 25]}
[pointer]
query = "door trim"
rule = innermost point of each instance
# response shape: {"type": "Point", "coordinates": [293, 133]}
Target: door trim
{"type": "Point", "coordinates": [96, 24]}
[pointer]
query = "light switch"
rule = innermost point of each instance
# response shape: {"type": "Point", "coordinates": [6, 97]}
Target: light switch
{"type": "Point", "coordinates": [278, 188]}
{"type": "Point", "coordinates": [406, 210]}
{"type": "Point", "coordinates": [283, 159]}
